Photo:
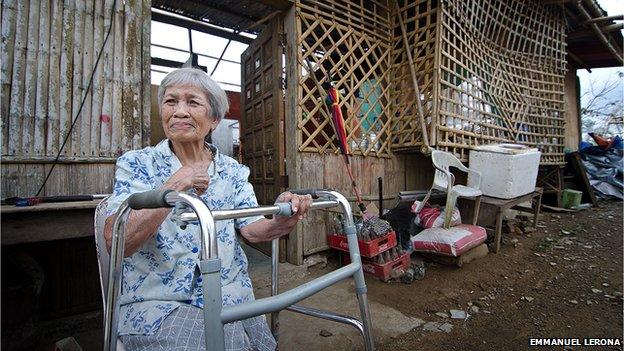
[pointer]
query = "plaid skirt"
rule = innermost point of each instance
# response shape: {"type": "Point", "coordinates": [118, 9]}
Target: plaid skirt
{"type": "Point", "coordinates": [183, 329]}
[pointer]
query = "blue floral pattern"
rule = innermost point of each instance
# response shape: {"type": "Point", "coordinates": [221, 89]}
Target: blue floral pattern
{"type": "Point", "coordinates": [164, 273]}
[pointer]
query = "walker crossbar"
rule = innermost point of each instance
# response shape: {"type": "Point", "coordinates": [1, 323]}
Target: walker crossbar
{"type": "Point", "coordinates": [210, 266]}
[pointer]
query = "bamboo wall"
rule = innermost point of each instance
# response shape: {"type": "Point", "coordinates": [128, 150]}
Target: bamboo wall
{"type": "Point", "coordinates": [501, 71]}
{"type": "Point", "coordinates": [315, 32]}
{"type": "Point", "coordinates": [488, 72]}
{"type": "Point", "coordinates": [49, 49]}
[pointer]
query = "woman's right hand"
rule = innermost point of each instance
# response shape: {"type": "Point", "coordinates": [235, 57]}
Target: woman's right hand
{"type": "Point", "coordinates": [193, 176]}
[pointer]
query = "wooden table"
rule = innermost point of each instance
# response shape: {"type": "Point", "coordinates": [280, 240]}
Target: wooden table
{"type": "Point", "coordinates": [503, 205]}
{"type": "Point", "coordinates": [47, 221]}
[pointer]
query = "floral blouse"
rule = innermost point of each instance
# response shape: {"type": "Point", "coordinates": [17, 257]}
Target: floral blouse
{"type": "Point", "coordinates": [164, 273]}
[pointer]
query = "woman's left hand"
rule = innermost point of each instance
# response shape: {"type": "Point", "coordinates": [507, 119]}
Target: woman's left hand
{"type": "Point", "coordinates": [266, 230]}
{"type": "Point", "coordinates": [300, 204]}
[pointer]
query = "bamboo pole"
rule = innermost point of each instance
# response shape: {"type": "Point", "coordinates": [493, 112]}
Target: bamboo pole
{"type": "Point", "coordinates": [117, 115]}
{"type": "Point", "coordinates": [67, 68]}
{"type": "Point", "coordinates": [16, 108]}
{"type": "Point", "coordinates": [97, 86]}
{"type": "Point", "coordinates": [30, 83]}
{"type": "Point", "coordinates": [106, 118]}
{"type": "Point", "coordinates": [7, 45]}
{"type": "Point", "coordinates": [54, 87]}
{"type": "Point", "coordinates": [78, 87]}
{"type": "Point", "coordinates": [425, 137]}
{"type": "Point", "coordinates": [43, 71]}
{"type": "Point", "coordinates": [84, 123]}
{"type": "Point", "coordinates": [145, 70]}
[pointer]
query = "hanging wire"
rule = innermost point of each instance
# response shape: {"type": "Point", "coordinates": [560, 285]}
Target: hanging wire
{"type": "Point", "coordinates": [84, 98]}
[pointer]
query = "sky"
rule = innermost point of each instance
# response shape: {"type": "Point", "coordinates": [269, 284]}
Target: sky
{"type": "Point", "coordinates": [600, 77]}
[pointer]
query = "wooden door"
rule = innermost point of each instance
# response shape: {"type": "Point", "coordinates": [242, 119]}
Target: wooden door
{"type": "Point", "coordinates": [262, 125]}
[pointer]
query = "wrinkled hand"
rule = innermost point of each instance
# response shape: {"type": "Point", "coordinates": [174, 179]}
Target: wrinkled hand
{"type": "Point", "coordinates": [300, 204]}
{"type": "Point", "coordinates": [194, 176]}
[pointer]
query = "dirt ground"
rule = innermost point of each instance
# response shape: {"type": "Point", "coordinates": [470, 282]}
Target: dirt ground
{"type": "Point", "coordinates": [537, 286]}
{"type": "Point", "coordinates": [562, 280]}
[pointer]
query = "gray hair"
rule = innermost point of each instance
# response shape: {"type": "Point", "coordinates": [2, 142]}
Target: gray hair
{"type": "Point", "coordinates": [216, 95]}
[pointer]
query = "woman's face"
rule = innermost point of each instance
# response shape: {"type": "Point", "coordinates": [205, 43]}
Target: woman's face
{"type": "Point", "coordinates": [186, 114]}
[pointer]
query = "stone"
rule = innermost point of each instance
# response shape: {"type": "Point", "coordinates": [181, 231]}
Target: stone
{"type": "Point", "coordinates": [605, 285]}
{"type": "Point", "coordinates": [324, 333]}
{"type": "Point", "coordinates": [457, 314]}
{"type": "Point", "coordinates": [565, 232]}
{"type": "Point", "coordinates": [553, 264]}
{"type": "Point", "coordinates": [474, 309]}
{"type": "Point", "coordinates": [574, 302]}
{"type": "Point", "coordinates": [446, 327]}
{"type": "Point", "coordinates": [442, 314]}
{"type": "Point", "coordinates": [596, 291]}
{"type": "Point", "coordinates": [527, 298]}
{"type": "Point", "coordinates": [438, 327]}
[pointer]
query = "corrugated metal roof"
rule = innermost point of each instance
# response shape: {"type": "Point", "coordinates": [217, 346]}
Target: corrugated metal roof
{"type": "Point", "coordinates": [233, 14]}
{"type": "Point", "coordinates": [582, 41]}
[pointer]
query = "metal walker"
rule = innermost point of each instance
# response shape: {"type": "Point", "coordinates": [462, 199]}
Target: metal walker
{"type": "Point", "coordinates": [190, 208]}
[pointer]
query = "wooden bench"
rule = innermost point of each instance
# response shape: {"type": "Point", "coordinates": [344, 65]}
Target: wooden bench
{"type": "Point", "coordinates": [502, 205]}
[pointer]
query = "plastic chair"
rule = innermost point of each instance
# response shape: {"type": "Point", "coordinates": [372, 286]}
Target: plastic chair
{"type": "Point", "coordinates": [103, 255]}
{"type": "Point", "coordinates": [443, 161]}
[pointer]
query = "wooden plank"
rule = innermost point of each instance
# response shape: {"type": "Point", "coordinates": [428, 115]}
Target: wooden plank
{"type": "Point", "coordinates": [16, 107]}
{"type": "Point", "coordinates": [60, 181]}
{"type": "Point", "coordinates": [45, 226]}
{"type": "Point", "coordinates": [43, 71]}
{"type": "Point", "coordinates": [54, 88]}
{"type": "Point", "coordinates": [34, 176]}
{"type": "Point", "coordinates": [51, 206]}
{"type": "Point", "coordinates": [98, 78]}
{"type": "Point", "coordinates": [581, 174]}
{"type": "Point", "coordinates": [67, 78]}
{"type": "Point", "coordinates": [314, 230]}
{"type": "Point", "coordinates": [7, 45]}
{"type": "Point", "coordinates": [78, 88]}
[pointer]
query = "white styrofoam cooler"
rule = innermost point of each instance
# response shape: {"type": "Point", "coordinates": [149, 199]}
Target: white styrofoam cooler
{"type": "Point", "coordinates": [507, 170]}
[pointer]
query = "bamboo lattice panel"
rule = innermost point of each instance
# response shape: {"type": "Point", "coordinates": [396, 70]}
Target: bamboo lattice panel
{"type": "Point", "coordinates": [502, 69]}
{"type": "Point", "coordinates": [419, 18]}
{"type": "Point", "coordinates": [347, 43]}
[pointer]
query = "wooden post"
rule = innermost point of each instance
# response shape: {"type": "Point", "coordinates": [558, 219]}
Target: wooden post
{"type": "Point", "coordinates": [291, 114]}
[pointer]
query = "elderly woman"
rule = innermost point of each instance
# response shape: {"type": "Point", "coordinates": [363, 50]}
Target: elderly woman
{"type": "Point", "coordinates": [161, 297]}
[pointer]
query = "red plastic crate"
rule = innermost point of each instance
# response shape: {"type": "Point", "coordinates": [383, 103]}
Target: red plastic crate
{"type": "Point", "coordinates": [383, 271]}
{"type": "Point", "coordinates": [367, 248]}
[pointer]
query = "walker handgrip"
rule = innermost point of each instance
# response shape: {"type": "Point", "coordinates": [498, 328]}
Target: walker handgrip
{"type": "Point", "coordinates": [149, 199]}
{"type": "Point", "coordinates": [285, 209]}
{"type": "Point", "coordinates": [311, 192]}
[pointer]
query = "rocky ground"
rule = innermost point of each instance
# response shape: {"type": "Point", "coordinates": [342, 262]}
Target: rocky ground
{"type": "Point", "coordinates": [561, 280]}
